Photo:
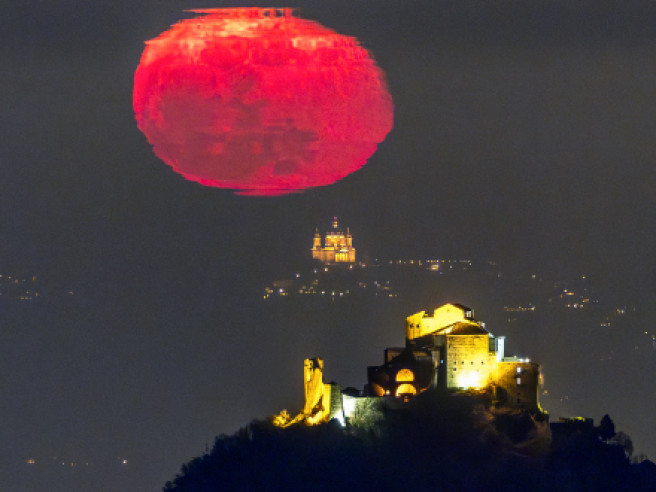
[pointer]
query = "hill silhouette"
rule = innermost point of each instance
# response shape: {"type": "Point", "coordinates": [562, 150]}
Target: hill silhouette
{"type": "Point", "coordinates": [438, 441]}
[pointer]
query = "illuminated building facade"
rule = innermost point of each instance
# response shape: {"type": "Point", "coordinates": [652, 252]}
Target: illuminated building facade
{"type": "Point", "coordinates": [448, 350]}
{"type": "Point", "coordinates": [457, 353]}
{"type": "Point", "coordinates": [337, 247]}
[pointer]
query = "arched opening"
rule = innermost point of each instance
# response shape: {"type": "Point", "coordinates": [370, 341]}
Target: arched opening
{"type": "Point", "coordinates": [406, 389]}
{"type": "Point", "coordinates": [405, 375]}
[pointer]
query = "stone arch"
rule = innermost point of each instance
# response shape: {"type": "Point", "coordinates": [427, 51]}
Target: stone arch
{"type": "Point", "coordinates": [405, 375]}
{"type": "Point", "coordinates": [406, 389]}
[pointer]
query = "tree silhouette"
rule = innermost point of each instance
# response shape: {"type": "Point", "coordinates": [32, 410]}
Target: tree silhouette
{"type": "Point", "coordinates": [437, 442]}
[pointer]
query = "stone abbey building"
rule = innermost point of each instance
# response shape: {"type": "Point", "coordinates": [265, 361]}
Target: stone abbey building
{"type": "Point", "coordinates": [449, 349]}
{"type": "Point", "coordinates": [337, 247]}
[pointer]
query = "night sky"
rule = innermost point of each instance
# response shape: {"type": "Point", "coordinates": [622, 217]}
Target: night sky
{"type": "Point", "coordinates": [523, 133]}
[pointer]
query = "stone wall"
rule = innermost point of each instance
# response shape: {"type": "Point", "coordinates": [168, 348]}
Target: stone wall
{"type": "Point", "coordinates": [467, 361]}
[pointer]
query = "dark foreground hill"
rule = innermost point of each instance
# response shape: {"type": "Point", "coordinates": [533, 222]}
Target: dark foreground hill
{"type": "Point", "coordinates": [438, 442]}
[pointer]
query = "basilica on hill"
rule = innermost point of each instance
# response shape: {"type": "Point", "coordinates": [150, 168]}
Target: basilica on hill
{"type": "Point", "coordinates": [337, 247]}
{"type": "Point", "coordinates": [447, 349]}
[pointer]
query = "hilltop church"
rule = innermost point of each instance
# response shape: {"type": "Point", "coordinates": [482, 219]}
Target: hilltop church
{"type": "Point", "coordinates": [337, 247]}
{"type": "Point", "coordinates": [449, 350]}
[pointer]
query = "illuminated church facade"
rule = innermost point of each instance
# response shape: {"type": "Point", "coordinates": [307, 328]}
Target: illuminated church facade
{"type": "Point", "coordinates": [337, 246]}
{"type": "Point", "coordinates": [447, 349]}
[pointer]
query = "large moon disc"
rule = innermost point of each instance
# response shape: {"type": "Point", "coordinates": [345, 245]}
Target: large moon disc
{"type": "Point", "coordinates": [260, 101]}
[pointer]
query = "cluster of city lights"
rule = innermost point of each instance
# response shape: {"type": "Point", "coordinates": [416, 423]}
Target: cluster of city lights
{"type": "Point", "coordinates": [66, 462]}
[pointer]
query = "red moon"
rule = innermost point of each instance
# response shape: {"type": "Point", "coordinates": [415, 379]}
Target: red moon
{"type": "Point", "coordinates": [260, 101]}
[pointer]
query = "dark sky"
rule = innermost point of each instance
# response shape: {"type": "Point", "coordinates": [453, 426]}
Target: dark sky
{"type": "Point", "coordinates": [524, 132]}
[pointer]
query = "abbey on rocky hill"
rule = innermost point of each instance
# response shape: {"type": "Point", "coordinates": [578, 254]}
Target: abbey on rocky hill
{"type": "Point", "coordinates": [449, 350]}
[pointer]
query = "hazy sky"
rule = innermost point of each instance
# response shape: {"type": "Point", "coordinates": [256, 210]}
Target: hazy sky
{"type": "Point", "coordinates": [524, 132]}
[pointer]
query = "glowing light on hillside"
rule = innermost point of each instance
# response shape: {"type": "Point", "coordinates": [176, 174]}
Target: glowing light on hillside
{"type": "Point", "coordinates": [260, 101]}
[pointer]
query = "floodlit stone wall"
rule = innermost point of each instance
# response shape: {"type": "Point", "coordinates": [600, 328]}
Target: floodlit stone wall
{"type": "Point", "coordinates": [517, 384]}
{"type": "Point", "coordinates": [467, 361]}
